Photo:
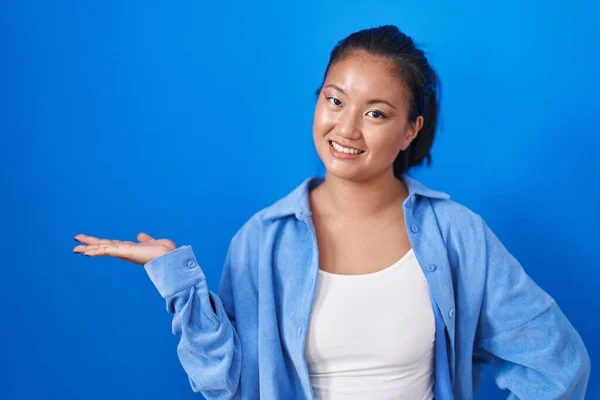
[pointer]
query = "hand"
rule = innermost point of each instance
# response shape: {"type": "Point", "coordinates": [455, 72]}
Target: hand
{"type": "Point", "coordinates": [147, 249]}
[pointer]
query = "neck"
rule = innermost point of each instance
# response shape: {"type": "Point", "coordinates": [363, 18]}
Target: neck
{"type": "Point", "coordinates": [363, 199]}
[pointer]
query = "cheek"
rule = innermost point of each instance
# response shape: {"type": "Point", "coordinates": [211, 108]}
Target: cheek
{"type": "Point", "coordinates": [387, 143]}
{"type": "Point", "coordinates": [322, 122]}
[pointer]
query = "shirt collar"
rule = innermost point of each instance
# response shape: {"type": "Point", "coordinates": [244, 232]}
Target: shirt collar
{"type": "Point", "coordinates": [297, 201]}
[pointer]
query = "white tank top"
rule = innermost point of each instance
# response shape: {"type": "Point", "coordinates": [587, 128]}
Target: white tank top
{"type": "Point", "coordinates": [372, 336]}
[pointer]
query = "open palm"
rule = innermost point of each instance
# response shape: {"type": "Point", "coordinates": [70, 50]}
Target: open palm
{"type": "Point", "coordinates": [145, 250]}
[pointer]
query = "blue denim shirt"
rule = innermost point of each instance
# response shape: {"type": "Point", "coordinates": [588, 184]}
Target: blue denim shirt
{"type": "Point", "coordinates": [248, 340]}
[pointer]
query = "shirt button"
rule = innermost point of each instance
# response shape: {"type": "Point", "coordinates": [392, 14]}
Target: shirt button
{"type": "Point", "coordinates": [414, 228]}
{"type": "Point", "coordinates": [451, 313]}
{"type": "Point", "coordinates": [431, 268]}
{"type": "Point", "coordinates": [191, 264]}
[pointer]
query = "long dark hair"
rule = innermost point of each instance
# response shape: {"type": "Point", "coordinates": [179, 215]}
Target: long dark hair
{"type": "Point", "coordinates": [417, 76]}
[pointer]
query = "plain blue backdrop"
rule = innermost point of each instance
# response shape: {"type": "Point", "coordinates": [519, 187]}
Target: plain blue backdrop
{"type": "Point", "coordinates": [182, 119]}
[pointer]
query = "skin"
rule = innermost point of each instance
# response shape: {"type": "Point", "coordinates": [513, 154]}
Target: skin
{"type": "Point", "coordinates": [146, 249]}
{"type": "Point", "coordinates": [357, 210]}
{"type": "Point", "coordinates": [348, 112]}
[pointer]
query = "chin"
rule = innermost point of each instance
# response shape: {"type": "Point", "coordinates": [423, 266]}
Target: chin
{"type": "Point", "coordinates": [346, 172]}
{"type": "Point", "coordinates": [352, 173]}
{"type": "Point", "coordinates": [340, 173]}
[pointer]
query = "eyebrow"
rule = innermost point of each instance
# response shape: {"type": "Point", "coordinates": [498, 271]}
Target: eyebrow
{"type": "Point", "coordinates": [372, 101]}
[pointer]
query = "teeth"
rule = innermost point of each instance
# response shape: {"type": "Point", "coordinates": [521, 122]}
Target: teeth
{"type": "Point", "coordinates": [346, 150]}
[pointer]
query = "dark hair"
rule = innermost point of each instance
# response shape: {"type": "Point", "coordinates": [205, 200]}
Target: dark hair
{"type": "Point", "coordinates": [417, 76]}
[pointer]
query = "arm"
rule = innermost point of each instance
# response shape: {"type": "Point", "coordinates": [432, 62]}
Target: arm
{"type": "Point", "coordinates": [209, 348]}
{"type": "Point", "coordinates": [533, 349]}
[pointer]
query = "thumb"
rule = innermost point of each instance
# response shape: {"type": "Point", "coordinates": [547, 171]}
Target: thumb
{"type": "Point", "coordinates": [144, 238]}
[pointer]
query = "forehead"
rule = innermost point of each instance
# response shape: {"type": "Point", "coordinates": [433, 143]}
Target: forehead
{"type": "Point", "coordinates": [364, 74]}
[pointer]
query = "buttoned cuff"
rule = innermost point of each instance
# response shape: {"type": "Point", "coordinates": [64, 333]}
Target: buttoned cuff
{"type": "Point", "coordinates": [174, 271]}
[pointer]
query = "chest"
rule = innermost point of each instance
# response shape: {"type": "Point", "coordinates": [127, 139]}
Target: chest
{"type": "Point", "coordinates": [360, 247]}
{"type": "Point", "coordinates": [388, 312]}
{"type": "Point", "coordinates": [372, 333]}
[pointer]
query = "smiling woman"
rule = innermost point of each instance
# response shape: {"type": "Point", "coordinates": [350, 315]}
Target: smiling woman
{"type": "Point", "coordinates": [364, 283]}
{"type": "Point", "coordinates": [380, 94]}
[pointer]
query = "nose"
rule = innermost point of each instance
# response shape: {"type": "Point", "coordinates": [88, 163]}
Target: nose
{"type": "Point", "coordinates": [349, 125]}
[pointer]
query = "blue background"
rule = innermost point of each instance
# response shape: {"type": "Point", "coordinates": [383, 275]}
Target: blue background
{"type": "Point", "coordinates": [182, 119]}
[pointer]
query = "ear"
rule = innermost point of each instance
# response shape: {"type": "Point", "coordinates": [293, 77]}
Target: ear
{"type": "Point", "coordinates": [412, 131]}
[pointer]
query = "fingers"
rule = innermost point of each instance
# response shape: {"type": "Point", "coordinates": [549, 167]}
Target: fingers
{"type": "Point", "coordinates": [93, 246]}
{"type": "Point", "coordinates": [111, 250]}
{"type": "Point", "coordinates": [93, 240]}
{"type": "Point", "coordinates": [144, 237]}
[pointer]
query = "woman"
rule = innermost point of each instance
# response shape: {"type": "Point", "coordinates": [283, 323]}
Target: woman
{"type": "Point", "coordinates": [364, 283]}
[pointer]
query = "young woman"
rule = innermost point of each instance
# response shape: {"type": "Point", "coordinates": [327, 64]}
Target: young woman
{"type": "Point", "coordinates": [364, 283]}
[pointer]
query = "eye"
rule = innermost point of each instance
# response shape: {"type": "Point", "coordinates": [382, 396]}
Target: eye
{"type": "Point", "coordinates": [334, 101]}
{"type": "Point", "coordinates": [377, 114]}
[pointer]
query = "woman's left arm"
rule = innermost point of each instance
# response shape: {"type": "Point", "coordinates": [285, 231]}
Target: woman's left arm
{"type": "Point", "coordinates": [533, 349]}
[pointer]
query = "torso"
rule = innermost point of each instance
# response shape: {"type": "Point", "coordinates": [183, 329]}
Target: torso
{"type": "Point", "coordinates": [372, 326]}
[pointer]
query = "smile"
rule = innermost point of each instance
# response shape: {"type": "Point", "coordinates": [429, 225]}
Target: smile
{"type": "Point", "coordinates": [342, 149]}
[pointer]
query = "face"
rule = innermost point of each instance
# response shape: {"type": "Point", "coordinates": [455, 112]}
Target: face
{"type": "Point", "coordinates": [361, 118]}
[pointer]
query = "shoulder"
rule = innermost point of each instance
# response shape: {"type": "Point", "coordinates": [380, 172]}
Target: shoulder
{"type": "Point", "coordinates": [472, 246]}
{"type": "Point", "coordinates": [295, 203]}
{"type": "Point", "coordinates": [464, 232]}
{"type": "Point", "coordinates": [294, 206]}
{"type": "Point", "coordinates": [435, 208]}
{"type": "Point", "coordinates": [451, 214]}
